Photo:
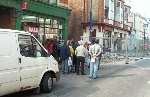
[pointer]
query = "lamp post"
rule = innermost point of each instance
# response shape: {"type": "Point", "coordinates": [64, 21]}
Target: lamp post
{"type": "Point", "coordinates": [126, 41]}
{"type": "Point", "coordinates": [90, 20]}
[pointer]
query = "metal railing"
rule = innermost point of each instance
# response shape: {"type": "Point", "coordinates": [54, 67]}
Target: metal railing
{"type": "Point", "coordinates": [117, 49]}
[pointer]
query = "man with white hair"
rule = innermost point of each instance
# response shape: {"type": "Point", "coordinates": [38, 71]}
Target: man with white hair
{"type": "Point", "coordinates": [81, 53]}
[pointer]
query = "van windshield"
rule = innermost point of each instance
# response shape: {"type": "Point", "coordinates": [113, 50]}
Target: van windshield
{"type": "Point", "coordinates": [30, 47]}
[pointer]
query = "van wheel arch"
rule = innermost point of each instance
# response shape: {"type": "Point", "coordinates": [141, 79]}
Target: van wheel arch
{"type": "Point", "coordinates": [46, 84]}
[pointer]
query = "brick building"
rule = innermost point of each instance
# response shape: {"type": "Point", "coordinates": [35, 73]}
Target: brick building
{"type": "Point", "coordinates": [75, 19]}
{"type": "Point", "coordinates": [109, 22]}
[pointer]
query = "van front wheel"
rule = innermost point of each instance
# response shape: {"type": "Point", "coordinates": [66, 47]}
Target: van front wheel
{"type": "Point", "coordinates": [47, 84]}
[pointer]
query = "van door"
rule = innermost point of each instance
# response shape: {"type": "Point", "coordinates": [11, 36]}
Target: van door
{"type": "Point", "coordinates": [9, 68]}
{"type": "Point", "coordinates": [33, 61]}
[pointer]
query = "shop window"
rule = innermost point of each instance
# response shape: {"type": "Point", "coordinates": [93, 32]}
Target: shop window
{"type": "Point", "coordinates": [48, 1]}
{"type": "Point", "coordinates": [45, 28]}
{"type": "Point", "coordinates": [107, 3]}
{"type": "Point", "coordinates": [121, 35]}
{"type": "Point", "coordinates": [126, 9]}
{"type": "Point", "coordinates": [94, 33]}
{"type": "Point", "coordinates": [52, 1]}
{"type": "Point", "coordinates": [118, 4]}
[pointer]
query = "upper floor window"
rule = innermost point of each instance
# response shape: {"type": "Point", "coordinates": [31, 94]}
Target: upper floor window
{"type": "Point", "coordinates": [106, 12]}
{"type": "Point", "coordinates": [107, 3]}
{"type": "Point", "coordinates": [52, 1]}
{"type": "Point", "coordinates": [48, 1]}
{"type": "Point", "coordinates": [118, 4]}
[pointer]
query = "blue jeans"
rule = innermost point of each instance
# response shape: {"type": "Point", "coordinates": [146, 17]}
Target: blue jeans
{"type": "Point", "coordinates": [94, 68]}
{"type": "Point", "coordinates": [65, 66]}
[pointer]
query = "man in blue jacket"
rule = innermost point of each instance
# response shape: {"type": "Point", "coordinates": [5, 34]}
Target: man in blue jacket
{"type": "Point", "coordinates": [64, 55]}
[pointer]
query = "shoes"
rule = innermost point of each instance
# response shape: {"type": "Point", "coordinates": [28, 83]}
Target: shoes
{"type": "Point", "coordinates": [92, 77]}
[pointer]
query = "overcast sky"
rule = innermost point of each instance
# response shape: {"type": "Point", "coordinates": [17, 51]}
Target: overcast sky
{"type": "Point", "coordinates": [141, 6]}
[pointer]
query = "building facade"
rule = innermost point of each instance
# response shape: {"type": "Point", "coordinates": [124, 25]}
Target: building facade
{"type": "Point", "coordinates": [44, 18]}
{"type": "Point", "coordinates": [139, 36]}
{"type": "Point", "coordinates": [109, 23]}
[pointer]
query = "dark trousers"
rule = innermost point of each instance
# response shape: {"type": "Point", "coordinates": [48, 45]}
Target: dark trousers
{"type": "Point", "coordinates": [75, 63]}
{"type": "Point", "coordinates": [80, 64]}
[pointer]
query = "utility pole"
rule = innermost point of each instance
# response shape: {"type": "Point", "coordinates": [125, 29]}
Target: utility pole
{"type": "Point", "coordinates": [90, 22]}
{"type": "Point", "coordinates": [84, 13]}
{"type": "Point", "coordinates": [127, 59]}
{"type": "Point", "coordinates": [144, 41]}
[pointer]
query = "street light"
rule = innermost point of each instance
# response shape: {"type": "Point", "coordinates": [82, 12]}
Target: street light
{"type": "Point", "coordinates": [90, 22]}
{"type": "Point", "coordinates": [126, 41]}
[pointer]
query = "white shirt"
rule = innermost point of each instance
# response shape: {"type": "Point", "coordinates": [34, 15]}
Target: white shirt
{"type": "Point", "coordinates": [81, 51]}
{"type": "Point", "coordinates": [95, 49]}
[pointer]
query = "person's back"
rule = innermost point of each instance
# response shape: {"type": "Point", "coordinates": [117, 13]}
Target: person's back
{"type": "Point", "coordinates": [71, 50]}
{"type": "Point", "coordinates": [81, 51]}
{"type": "Point", "coordinates": [64, 55]}
{"type": "Point", "coordinates": [97, 49]}
{"type": "Point", "coordinates": [63, 52]}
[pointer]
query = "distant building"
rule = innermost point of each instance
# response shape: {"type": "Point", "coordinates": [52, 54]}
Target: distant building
{"type": "Point", "coordinates": [75, 18]}
{"type": "Point", "coordinates": [139, 34]}
{"type": "Point", "coordinates": [109, 23]}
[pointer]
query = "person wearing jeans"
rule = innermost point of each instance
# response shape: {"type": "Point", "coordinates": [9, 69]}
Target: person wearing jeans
{"type": "Point", "coordinates": [94, 68]}
{"type": "Point", "coordinates": [65, 66]}
{"type": "Point", "coordinates": [94, 51]}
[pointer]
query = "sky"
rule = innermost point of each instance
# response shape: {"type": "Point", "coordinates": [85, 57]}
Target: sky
{"type": "Point", "coordinates": [141, 6]}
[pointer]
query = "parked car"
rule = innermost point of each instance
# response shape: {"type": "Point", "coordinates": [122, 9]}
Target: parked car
{"type": "Point", "coordinates": [25, 63]}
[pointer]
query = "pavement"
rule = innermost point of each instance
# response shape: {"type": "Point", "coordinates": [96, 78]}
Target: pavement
{"type": "Point", "coordinates": [114, 80]}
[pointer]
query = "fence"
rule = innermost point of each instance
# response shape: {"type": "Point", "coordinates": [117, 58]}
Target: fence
{"type": "Point", "coordinates": [116, 49]}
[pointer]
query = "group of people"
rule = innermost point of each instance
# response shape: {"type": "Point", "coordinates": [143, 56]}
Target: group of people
{"type": "Point", "coordinates": [73, 58]}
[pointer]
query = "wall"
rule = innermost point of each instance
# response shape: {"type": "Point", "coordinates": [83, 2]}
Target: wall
{"type": "Point", "coordinates": [6, 18]}
{"type": "Point", "coordinates": [75, 19]}
{"type": "Point", "coordinates": [99, 35]}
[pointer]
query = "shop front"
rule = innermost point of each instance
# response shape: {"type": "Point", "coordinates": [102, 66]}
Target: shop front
{"type": "Point", "coordinates": [44, 20]}
{"type": "Point", "coordinates": [42, 28]}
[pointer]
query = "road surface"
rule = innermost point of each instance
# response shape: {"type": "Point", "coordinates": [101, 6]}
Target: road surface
{"type": "Point", "coordinates": [114, 80]}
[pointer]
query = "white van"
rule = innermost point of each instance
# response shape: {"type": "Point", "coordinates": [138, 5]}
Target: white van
{"type": "Point", "coordinates": [24, 63]}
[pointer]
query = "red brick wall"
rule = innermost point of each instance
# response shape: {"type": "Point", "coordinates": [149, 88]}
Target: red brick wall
{"type": "Point", "coordinates": [75, 19]}
{"type": "Point", "coordinates": [79, 14]}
